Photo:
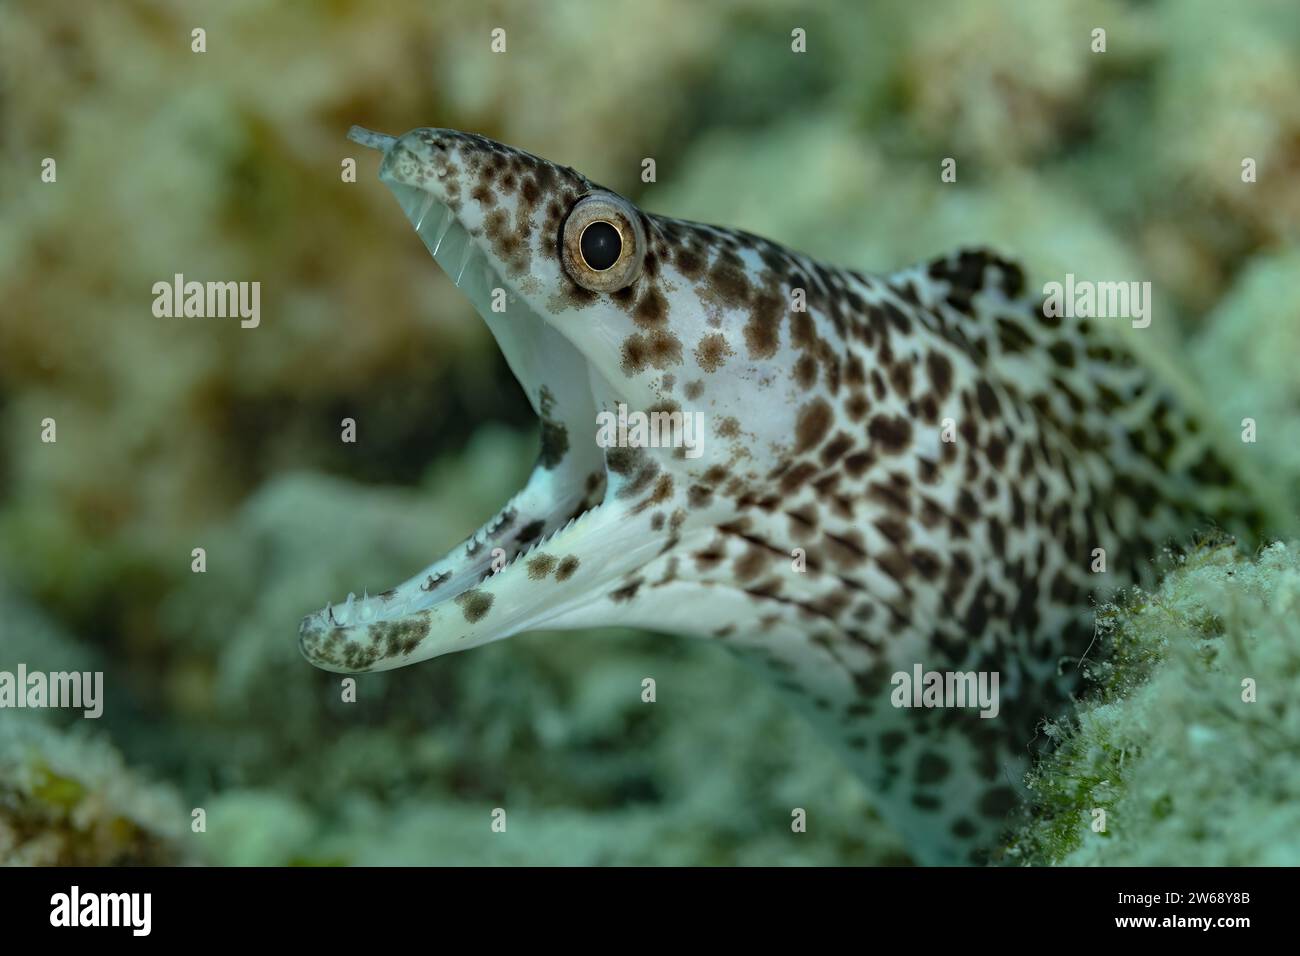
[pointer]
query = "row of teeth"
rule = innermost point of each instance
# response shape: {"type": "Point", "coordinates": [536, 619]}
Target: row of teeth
{"type": "Point", "coordinates": [451, 246]}
{"type": "Point", "coordinates": [541, 542]}
{"type": "Point", "coordinates": [367, 610]}
{"type": "Point", "coordinates": [370, 609]}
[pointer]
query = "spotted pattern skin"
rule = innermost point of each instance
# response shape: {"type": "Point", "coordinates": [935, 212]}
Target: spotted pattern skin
{"type": "Point", "coordinates": [941, 457]}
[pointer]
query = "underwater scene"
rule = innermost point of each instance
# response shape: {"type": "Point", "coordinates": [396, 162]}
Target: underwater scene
{"type": "Point", "coordinates": [935, 504]}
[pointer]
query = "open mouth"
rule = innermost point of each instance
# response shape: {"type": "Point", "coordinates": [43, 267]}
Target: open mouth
{"type": "Point", "coordinates": [447, 605]}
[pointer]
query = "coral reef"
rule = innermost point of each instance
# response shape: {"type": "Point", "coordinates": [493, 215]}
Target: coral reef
{"type": "Point", "coordinates": [177, 434]}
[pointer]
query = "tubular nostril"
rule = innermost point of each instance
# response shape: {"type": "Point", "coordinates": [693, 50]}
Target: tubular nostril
{"type": "Point", "coordinates": [369, 138]}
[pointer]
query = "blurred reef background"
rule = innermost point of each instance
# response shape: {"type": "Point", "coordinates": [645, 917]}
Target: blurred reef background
{"type": "Point", "coordinates": [177, 434]}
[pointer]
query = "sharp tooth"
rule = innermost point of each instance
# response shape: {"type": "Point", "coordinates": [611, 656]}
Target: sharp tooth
{"type": "Point", "coordinates": [441, 234]}
{"type": "Point", "coordinates": [465, 258]}
{"type": "Point", "coordinates": [424, 211]}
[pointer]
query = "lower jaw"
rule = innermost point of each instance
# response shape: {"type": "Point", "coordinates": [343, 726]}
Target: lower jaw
{"type": "Point", "coordinates": [517, 530]}
{"type": "Point", "coordinates": [552, 582]}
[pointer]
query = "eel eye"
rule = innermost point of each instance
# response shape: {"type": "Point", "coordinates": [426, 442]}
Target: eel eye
{"type": "Point", "coordinates": [602, 243]}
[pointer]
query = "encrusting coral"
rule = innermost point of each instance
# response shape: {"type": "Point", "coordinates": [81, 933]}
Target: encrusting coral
{"type": "Point", "coordinates": [68, 799]}
{"type": "Point", "coordinates": [1185, 753]}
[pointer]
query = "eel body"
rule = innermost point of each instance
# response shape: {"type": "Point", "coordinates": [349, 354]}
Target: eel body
{"type": "Point", "coordinates": [898, 474]}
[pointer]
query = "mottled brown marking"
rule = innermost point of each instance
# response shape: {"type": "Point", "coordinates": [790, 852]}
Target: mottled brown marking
{"type": "Point", "coordinates": [474, 604]}
{"type": "Point", "coordinates": [891, 434]}
{"type": "Point", "coordinates": [540, 566]}
{"type": "Point", "coordinates": [812, 425]}
{"type": "Point", "coordinates": [762, 331]}
{"type": "Point", "coordinates": [712, 352]}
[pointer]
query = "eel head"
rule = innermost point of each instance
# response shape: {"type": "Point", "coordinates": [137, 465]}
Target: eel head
{"type": "Point", "coordinates": [592, 303]}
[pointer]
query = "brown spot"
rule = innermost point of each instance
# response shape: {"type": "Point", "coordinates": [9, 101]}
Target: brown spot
{"type": "Point", "coordinates": [805, 371]}
{"type": "Point", "coordinates": [474, 604]}
{"type": "Point", "coordinates": [847, 548]}
{"type": "Point", "coordinates": [712, 351]}
{"type": "Point", "coordinates": [641, 480]}
{"type": "Point", "coordinates": [699, 496]}
{"type": "Point", "coordinates": [1012, 337]}
{"type": "Point", "coordinates": [996, 451]}
{"type": "Point", "coordinates": [897, 319]}
{"type": "Point", "coordinates": [636, 353]}
{"type": "Point", "coordinates": [900, 376]}
{"type": "Point", "coordinates": [622, 461]}
{"type": "Point", "coordinates": [894, 529]}
{"type": "Point", "coordinates": [797, 476]}
{"type": "Point", "coordinates": [555, 442]}
{"type": "Point", "coordinates": [803, 520]}
{"type": "Point", "coordinates": [838, 445]}
{"type": "Point", "coordinates": [540, 566]}
{"type": "Point", "coordinates": [651, 310]}
{"type": "Point", "coordinates": [628, 591]}
{"type": "Point", "coordinates": [854, 372]}
{"type": "Point", "coordinates": [813, 424]}
{"type": "Point", "coordinates": [689, 263]}
{"type": "Point", "coordinates": [891, 433]}
{"type": "Point", "coordinates": [927, 563]}
{"type": "Point", "coordinates": [663, 491]}
{"type": "Point", "coordinates": [709, 558]}
{"type": "Point", "coordinates": [895, 565]}
{"type": "Point", "coordinates": [803, 331]}
{"type": "Point", "coordinates": [988, 399]}
{"type": "Point", "coordinates": [762, 331]}
{"type": "Point", "coordinates": [567, 566]}
{"type": "Point", "coordinates": [665, 349]}
{"type": "Point", "coordinates": [751, 563]}
{"type": "Point", "coordinates": [827, 483]}
{"type": "Point", "coordinates": [727, 278]}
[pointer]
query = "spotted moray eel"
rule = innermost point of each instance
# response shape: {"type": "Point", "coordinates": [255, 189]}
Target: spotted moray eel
{"type": "Point", "coordinates": [823, 446]}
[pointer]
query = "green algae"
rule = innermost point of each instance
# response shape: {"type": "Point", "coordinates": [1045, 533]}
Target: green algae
{"type": "Point", "coordinates": [1190, 770]}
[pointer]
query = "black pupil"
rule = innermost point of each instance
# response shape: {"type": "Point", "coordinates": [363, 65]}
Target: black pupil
{"type": "Point", "coordinates": [601, 246]}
